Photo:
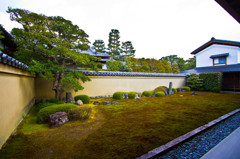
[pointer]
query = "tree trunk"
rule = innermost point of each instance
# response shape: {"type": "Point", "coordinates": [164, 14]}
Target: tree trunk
{"type": "Point", "coordinates": [57, 86]}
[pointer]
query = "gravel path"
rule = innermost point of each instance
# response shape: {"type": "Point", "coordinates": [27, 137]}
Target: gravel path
{"type": "Point", "coordinates": [202, 143]}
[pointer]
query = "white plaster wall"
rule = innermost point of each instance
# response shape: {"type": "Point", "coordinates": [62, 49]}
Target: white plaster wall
{"type": "Point", "coordinates": [203, 57]}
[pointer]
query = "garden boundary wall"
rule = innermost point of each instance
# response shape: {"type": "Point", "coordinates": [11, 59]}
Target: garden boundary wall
{"type": "Point", "coordinates": [106, 83]}
{"type": "Point", "coordinates": [16, 97]}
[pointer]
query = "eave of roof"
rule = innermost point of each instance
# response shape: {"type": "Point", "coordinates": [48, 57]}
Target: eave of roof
{"type": "Point", "coordinates": [215, 41]}
{"type": "Point", "coordinates": [222, 68]}
{"type": "Point", "coordinates": [232, 7]}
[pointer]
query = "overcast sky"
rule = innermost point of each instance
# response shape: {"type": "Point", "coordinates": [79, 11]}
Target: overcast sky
{"type": "Point", "coordinates": [156, 28]}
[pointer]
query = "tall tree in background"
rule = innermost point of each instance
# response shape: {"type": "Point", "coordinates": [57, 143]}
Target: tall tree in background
{"type": "Point", "coordinates": [171, 59]}
{"type": "Point", "coordinates": [128, 49]}
{"type": "Point", "coordinates": [48, 44]}
{"type": "Point", "coordinates": [191, 63]}
{"type": "Point", "coordinates": [175, 68]}
{"type": "Point", "coordinates": [99, 46]}
{"type": "Point", "coordinates": [113, 42]}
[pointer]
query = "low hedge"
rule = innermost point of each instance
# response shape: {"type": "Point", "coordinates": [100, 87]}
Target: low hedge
{"type": "Point", "coordinates": [54, 100]}
{"type": "Point", "coordinates": [132, 95]}
{"type": "Point", "coordinates": [148, 93]}
{"type": "Point", "coordinates": [216, 89]}
{"type": "Point", "coordinates": [174, 90]}
{"type": "Point", "coordinates": [81, 113]}
{"type": "Point", "coordinates": [118, 95]}
{"type": "Point", "coordinates": [186, 89]}
{"type": "Point", "coordinates": [43, 114]}
{"type": "Point", "coordinates": [44, 104]}
{"type": "Point", "coordinates": [160, 89]}
{"type": "Point", "coordinates": [160, 94]}
{"type": "Point", "coordinates": [84, 98]}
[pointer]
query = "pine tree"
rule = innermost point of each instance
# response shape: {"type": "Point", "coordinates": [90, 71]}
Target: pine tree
{"type": "Point", "coordinates": [113, 42]}
{"type": "Point", "coordinates": [99, 46]}
{"type": "Point", "coordinates": [127, 49]}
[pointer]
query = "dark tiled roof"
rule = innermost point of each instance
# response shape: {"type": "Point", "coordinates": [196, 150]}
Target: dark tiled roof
{"type": "Point", "coordinates": [109, 73]}
{"type": "Point", "coordinates": [223, 68]}
{"type": "Point", "coordinates": [216, 41]}
{"type": "Point", "coordinates": [219, 55]}
{"type": "Point", "coordinates": [8, 60]}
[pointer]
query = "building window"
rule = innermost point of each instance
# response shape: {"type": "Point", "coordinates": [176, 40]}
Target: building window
{"type": "Point", "coordinates": [219, 61]}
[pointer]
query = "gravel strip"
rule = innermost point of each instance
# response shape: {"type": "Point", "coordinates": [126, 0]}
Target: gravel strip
{"type": "Point", "coordinates": [202, 143]}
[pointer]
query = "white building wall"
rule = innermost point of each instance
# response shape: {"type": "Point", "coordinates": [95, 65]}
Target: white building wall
{"type": "Point", "coordinates": [203, 57]}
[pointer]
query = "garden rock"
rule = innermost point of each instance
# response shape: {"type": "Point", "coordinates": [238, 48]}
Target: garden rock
{"type": "Point", "coordinates": [170, 88]}
{"type": "Point", "coordinates": [193, 93]}
{"type": "Point", "coordinates": [137, 97]}
{"type": "Point", "coordinates": [153, 95]}
{"type": "Point", "coordinates": [115, 102]}
{"type": "Point", "coordinates": [79, 102]}
{"type": "Point", "coordinates": [96, 103]}
{"type": "Point", "coordinates": [125, 96]}
{"type": "Point", "coordinates": [166, 93]}
{"type": "Point", "coordinates": [142, 95]}
{"type": "Point", "coordinates": [107, 103]}
{"type": "Point", "coordinates": [69, 97]}
{"type": "Point", "coordinates": [57, 119]}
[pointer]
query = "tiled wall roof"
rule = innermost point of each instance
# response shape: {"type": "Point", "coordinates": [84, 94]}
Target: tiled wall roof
{"type": "Point", "coordinates": [140, 74]}
{"type": "Point", "coordinates": [5, 59]}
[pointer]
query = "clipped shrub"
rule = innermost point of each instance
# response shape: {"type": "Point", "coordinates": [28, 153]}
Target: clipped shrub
{"type": "Point", "coordinates": [84, 98]}
{"type": "Point", "coordinates": [211, 80]}
{"type": "Point", "coordinates": [160, 94]}
{"type": "Point", "coordinates": [216, 90]}
{"type": "Point", "coordinates": [148, 93]}
{"type": "Point", "coordinates": [132, 95]}
{"type": "Point", "coordinates": [44, 113]}
{"type": "Point", "coordinates": [44, 104]}
{"type": "Point", "coordinates": [186, 88]}
{"type": "Point", "coordinates": [118, 95]}
{"type": "Point", "coordinates": [194, 81]}
{"type": "Point", "coordinates": [174, 90]}
{"type": "Point", "coordinates": [54, 100]}
{"type": "Point", "coordinates": [160, 88]}
{"type": "Point", "coordinates": [81, 113]}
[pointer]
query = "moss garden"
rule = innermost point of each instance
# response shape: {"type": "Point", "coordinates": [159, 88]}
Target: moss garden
{"type": "Point", "coordinates": [127, 129]}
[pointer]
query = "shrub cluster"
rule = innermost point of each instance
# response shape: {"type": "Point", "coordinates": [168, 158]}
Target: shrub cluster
{"type": "Point", "coordinates": [148, 93]}
{"type": "Point", "coordinates": [132, 95]}
{"type": "Point", "coordinates": [174, 90]}
{"type": "Point", "coordinates": [84, 98]}
{"type": "Point", "coordinates": [44, 113]}
{"type": "Point", "coordinates": [159, 89]}
{"type": "Point", "coordinates": [44, 104]}
{"type": "Point", "coordinates": [186, 88]}
{"type": "Point", "coordinates": [118, 95]}
{"type": "Point", "coordinates": [54, 100]}
{"type": "Point", "coordinates": [211, 80]}
{"type": "Point", "coordinates": [194, 82]}
{"type": "Point", "coordinates": [81, 113]}
{"type": "Point", "coordinates": [160, 94]}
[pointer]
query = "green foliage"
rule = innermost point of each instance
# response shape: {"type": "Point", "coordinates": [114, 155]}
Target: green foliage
{"type": "Point", "coordinates": [160, 89]}
{"type": "Point", "coordinates": [49, 44]}
{"type": "Point", "coordinates": [44, 113]}
{"type": "Point", "coordinates": [149, 65]}
{"type": "Point", "coordinates": [44, 104]}
{"type": "Point", "coordinates": [84, 98]}
{"type": "Point", "coordinates": [54, 100]}
{"type": "Point", "coordinates": [194, 82]}
{"type": "Point", "coordinates": [118, 95]}
{"type": "Point", "coordinates": [148, 93]}
{"type": "Point", "coordinates": [216, 89]}
{"type": "Point", "coordinates": [132, 95]}
{"type": "Point", "coordinates": [81, 113]}
{"type": "Point", "coordinates": [175, 68]}
{"type": "Point", "coordinates": [174, 90]}
{"type": "Point", "coordinates": [211, 80]}
{"type": "Point", "coordinates": [127, 49]}
{"type": "Point", "coordinates": [114, 65]}
{"type": "Point", "coordinates": [186, 89]}
{"type": "Point", "coordinates": [99, 46]}
{"type": "Point", "coordinates": [113, 42]}
{"type": "Point", "coordinates": [191, 63]}
{"type": "Point", "coordinates": [160, 94]}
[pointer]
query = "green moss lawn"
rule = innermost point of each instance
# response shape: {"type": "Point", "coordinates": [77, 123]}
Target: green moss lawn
{"type": "Point", "coordinates": [125, 130]}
